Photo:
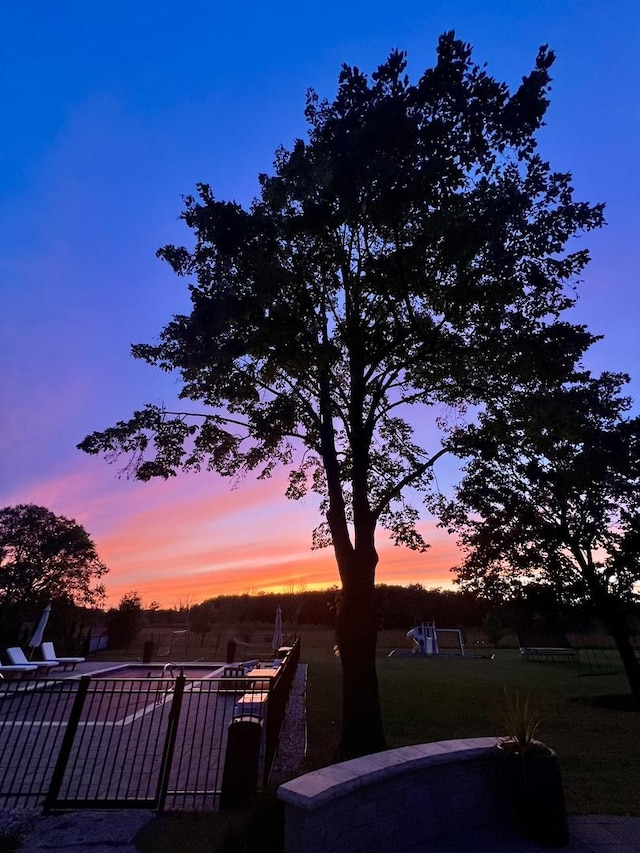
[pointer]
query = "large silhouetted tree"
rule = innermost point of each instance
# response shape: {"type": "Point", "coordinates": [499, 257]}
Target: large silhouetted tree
{"type": "Point", "coordinates": [551, 495]}
{"type": "Point", "coordinates": [44, 557]}
{"type": "Point", "coordinates": [409, 255]}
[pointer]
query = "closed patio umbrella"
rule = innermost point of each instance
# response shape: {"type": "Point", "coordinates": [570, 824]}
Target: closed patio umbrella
{"type": "Point", "coordinates": [277, 630]}
{"type": "Point", "coordinates": [38, 634]}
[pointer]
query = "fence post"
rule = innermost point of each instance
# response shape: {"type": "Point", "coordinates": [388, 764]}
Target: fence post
{"type": "Point", "coordinates": [67, 743]}
{"type": "Point", "coordinates": [231, 651]}
{"type": "Point", "coordinates": [170, 741]}
{"type": "Point", "coordinates": [147, 651]}
{"type": "Point", "coordinates": [241, 763]}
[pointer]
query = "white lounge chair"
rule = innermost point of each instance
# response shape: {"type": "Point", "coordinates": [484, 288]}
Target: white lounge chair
{"type": "Point", "coordinates": [49, 653]}
{"type": "Point", "coordinates": [16, 671]}
{"type": "Point", "coordinates": [17, 657]}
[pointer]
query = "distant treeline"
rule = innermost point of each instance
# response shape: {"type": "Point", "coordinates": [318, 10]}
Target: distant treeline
{"type": "Point", "coordinates": [397, 607]}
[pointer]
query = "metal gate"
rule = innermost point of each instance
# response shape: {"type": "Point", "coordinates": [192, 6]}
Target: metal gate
{"type": "Point", "coordinates": [115, 743]}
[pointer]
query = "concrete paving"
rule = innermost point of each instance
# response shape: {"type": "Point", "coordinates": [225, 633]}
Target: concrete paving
{"type": "Point", "coordinates": [587, 834]}
{"type": "Point", "coordinates": [89, 831]}
{"type": "Point", "coordinates": [114, 832]}
{"type": "Point", "coordinates": [601, 834]}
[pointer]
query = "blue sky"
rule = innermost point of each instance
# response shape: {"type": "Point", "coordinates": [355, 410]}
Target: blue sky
{"type": "Point", "coordinates": [112, 112]}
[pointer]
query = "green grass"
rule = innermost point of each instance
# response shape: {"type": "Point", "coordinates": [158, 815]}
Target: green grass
{"type": "Point", "coordinates": [428, 699]}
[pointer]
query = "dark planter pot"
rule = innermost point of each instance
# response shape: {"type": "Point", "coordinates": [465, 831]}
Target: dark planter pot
{"type": "Point", "coordinates": [535, 788]}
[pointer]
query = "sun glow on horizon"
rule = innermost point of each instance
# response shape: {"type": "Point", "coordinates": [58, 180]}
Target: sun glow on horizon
{"type": "Point", "coordinates": [279, 572]}
{"type": "Point", "coordinates": [195, 537]}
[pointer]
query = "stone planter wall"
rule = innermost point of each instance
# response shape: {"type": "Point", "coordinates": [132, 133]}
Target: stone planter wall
{"type": "Point", "coordinates": [397, 800]}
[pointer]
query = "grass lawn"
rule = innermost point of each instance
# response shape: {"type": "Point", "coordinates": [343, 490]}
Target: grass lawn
{"type": "Point", "coordinates": [438, 698]}
{"type": "Point", "coordinates": [598, 748]}
{"type": "Point", "coordinates": [427, 699]}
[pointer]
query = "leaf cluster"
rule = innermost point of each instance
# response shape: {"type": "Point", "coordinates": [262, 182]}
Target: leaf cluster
{"type": "Point", "coordinates": [521, 721]}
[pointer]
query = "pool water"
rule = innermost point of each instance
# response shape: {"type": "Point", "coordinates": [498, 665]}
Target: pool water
{"type": "Point", "coordinates": [143, 671]}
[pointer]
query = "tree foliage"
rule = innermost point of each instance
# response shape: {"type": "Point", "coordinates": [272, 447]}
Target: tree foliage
{"type": "Point", "coordinates": [46, 557]}
{"type": "Point", "coordinates": [551, 495]}
{"type": "Point", "coordinates": [125, 621]}
{"type": "Point", "coordinates": [397, 607]}
{"type": "Point", "coordinates": [404, 261]}
{"type": "Point", "coordinates": [201, 617]}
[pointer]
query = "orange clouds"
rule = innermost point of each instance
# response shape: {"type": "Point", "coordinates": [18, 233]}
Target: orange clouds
{"type": "Point", "coordinates": [174, 568]}
{"type": "Point", "coordinates": [272, 572]}
{"type": "Point", "coordinates": [195, 537]}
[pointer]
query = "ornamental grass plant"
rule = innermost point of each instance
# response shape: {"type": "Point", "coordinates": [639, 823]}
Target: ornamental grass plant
{"type": "Point", "coordinates": [521, 720]}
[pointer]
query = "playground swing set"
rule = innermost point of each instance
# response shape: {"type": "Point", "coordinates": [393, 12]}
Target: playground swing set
{"type": "Point", "coordinates": [590, 660]}
{"type": "Point", "coordinates": [424, 639]}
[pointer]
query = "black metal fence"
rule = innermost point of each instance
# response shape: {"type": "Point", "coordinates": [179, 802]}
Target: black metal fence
{"type": "Point", "coordinates": [183, 644]}
{"type": "Point", "coordinates": [151, 742]}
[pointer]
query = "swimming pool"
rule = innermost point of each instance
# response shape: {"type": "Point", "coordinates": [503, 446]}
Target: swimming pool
{"type": "Point", "coordinates": [143, 671]}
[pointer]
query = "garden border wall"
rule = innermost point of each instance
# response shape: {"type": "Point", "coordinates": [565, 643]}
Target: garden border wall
{"type": "Point", "coordinates": [403, 798]}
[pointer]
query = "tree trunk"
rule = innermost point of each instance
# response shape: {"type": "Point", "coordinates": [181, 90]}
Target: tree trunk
{"type": "Point", "coordinates": [612, 611]}
{"type": "Point", "coordinates": [356, 625]}
{"type": "Point", "coordinates": [614, 616]}
{"type": "Point", "coordinates": [628, 657]}
{"type": "Point", "coordinates": [356, 629]}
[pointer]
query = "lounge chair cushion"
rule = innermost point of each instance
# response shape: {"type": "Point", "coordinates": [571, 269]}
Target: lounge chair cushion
{"type": "Point", "coordinates": [49, 653]}
{"type": "Point", "coordinates": [17, 669]}
{"type": "Point", "coordinates": [17, 657]}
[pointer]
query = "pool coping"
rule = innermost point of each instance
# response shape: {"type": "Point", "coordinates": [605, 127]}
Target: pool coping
{"type": "Point", "coordinates": [216, 669]}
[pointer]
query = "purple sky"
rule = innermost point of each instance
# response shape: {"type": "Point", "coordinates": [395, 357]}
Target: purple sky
{"type": "Point", "coordinates": [111, 112]}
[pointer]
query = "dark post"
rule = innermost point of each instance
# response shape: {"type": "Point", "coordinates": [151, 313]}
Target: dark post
{"type": "Point", "coordinates": [170, 741]}
{"type": "Point", "coordinates": [241, 764]}
{"type": "Point", "coordinates": [231, 651]}
{"type": "Point", "coordinates": [147, 651]}
{"type": "Point", "coordinates": [67, 743]}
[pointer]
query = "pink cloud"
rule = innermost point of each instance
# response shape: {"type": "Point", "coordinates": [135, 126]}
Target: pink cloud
{"type": "Point", "coordinates": [196, 537]}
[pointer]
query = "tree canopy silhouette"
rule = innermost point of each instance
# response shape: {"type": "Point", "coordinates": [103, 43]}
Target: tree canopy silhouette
{"type": "Point", "coordinates": [407, 259]}
{"type": "Point", "coordinates": [45, 557]}
{"type": "Point", "coordinates": [551, 495]}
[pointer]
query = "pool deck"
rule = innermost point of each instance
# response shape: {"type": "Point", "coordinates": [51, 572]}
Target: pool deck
{"type": "Point", "coordinates": [100, 667]}
{"type": "Point", "coordinates": [119, 743]}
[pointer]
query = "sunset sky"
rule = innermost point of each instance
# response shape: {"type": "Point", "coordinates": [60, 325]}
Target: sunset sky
{"type": "Point", "coordinates": [111, 112]}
